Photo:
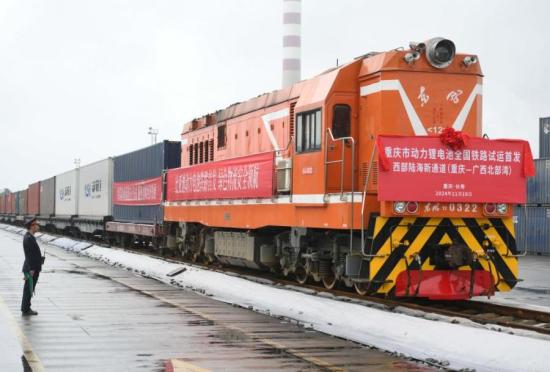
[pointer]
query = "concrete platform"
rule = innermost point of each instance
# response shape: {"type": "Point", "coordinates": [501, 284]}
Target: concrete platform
{"type": "Point", "coordinates": [93, 317]}
{"type": "Point", "coordinates": [533, 291]}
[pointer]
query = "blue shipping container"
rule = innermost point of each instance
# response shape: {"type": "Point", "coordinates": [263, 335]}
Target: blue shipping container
{"type": "Point", "coordinates": [538, 187]}
{"type": "Point", "coordinates": [142, 164]}
{"type": "Point", "coordinates": [532, 226]}
{"type": "Point", "coordinates": [544, 138]}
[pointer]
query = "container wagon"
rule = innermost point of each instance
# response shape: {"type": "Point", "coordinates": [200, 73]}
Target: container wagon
{"type": "Point", "coordinates": [47, 203]}
{"type": "Point", "coordinates": [93, 195]}
{"type": "Point", "coordinates": [33, 202]}
{"type": "Point", "coordinates": [138, 191]}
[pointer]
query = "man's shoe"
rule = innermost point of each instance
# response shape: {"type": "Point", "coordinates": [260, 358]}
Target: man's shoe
{"type": "Point", "coordinates": [29, 312]}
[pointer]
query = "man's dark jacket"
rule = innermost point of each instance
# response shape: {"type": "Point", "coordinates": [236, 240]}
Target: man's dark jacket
{"type": "Point", "coordinates": [33, 256]}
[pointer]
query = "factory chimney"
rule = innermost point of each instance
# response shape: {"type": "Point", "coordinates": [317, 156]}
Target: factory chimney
{"type": "Point", "coordinates": [292, 41]}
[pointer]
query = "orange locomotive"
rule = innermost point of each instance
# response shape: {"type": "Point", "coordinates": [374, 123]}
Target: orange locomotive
{"type": "Point", "coordinates": [312, 211]}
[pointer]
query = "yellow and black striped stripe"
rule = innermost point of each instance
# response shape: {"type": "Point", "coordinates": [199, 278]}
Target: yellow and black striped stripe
{"type": "Point", "coordinates": [398, 240]}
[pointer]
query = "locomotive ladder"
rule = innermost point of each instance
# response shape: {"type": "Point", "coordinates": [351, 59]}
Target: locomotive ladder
{"type": "Point", "coordinates": [342, 163]}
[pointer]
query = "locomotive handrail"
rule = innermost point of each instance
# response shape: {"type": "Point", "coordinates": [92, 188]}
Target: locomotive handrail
{"type": "Point", "coordinates": [363, 202]}
{"type": "Point", "coordinates": [343, 161]}
{"type": "Point", "coordinates": [280, 152]}
{"type": "Point", "coordinates": [287, 151]}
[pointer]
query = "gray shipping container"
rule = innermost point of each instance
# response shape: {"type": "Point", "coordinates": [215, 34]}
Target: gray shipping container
{"type": "Point", "coordinates": [544, 138]}
{"type": "Point", "coordinates": [47, 197]}
{"type": "Point", "coordinates": [21, 203]}
{"type": "Point", "coordinates": [538, 187]}
{"type": "Point", "coordinates": [143, 164]}
{"type": "Point", "coordinates": [532, 226]}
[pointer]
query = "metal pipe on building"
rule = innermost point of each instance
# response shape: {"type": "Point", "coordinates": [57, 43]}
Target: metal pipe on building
{"type": "Point", "coordinates": [292, 41]}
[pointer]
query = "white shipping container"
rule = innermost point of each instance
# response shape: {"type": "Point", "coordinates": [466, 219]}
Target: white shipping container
{"type": "Point", "coordinates": [66, 193]}
{"type": "Point", "coordinates": [95, 189]}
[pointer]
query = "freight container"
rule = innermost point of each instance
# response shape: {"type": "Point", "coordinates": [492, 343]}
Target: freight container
{"type": "Point", "coordinates": [2, 203]}
{"type": "Point", "coordinates": [144, 164]}
{"type": "Point", "coordinates": [95, 190]}
{"type": "Point", "coordinates": [544, 138]}
{"type": "Point", "coordinates": [47, 197]}
{"type": "Point", "coordinates": [532, 226]}
{"type": "Point", "coordinates": [21, 203]}
{"type": "Point", "coordinates": [33, 199]}
{"type": "Point", "coordinates": [66, 194]}
{"type": "Point", "coordinates": [13, 202]}
{"type": "Point", "coordinates": [6, 207]}
{"type": "Point", "coordinates": [538, 187]}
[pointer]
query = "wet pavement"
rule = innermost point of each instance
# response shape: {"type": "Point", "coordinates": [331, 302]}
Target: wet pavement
{"type": "Point", "coordinates": [12, 357]}
{"type": "Point", "coordinates": [93, 317]}
{"type": "Point", "coordinates": [533, 291]}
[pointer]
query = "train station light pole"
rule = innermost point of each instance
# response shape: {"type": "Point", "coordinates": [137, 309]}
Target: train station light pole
{"type": "Point", "coordinates": [153, 133]}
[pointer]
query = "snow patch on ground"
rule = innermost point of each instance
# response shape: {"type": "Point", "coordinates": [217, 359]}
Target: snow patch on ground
{"type": "Point", "coordinates": [455, 345]}
{"type": "Point", "coordinates": [70, 244]}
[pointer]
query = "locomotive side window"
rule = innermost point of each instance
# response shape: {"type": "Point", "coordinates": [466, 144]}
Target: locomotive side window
{"type": "Point", "coordinates": [222, 138]}
{"type": "Point", "coordinates": [341, 120]}
{"type": "Point", "coordinates": [308, 134]}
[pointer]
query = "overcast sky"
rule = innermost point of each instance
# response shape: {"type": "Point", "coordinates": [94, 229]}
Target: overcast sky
{"type": "Point", "coordinates": [85, 79]}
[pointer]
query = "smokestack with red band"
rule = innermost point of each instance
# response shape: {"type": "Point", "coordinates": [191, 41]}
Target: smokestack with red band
{"type": "Point", "coordinates": [292, 41]}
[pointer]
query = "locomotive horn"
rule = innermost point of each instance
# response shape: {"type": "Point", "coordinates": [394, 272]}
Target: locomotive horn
{"type": "Point", "coordinates": [419, 47]}
{"type": "Point", "coordinates": [411, 57]}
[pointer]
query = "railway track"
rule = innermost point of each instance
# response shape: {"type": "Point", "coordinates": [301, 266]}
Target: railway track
{"type": "Point", "coordinates": [478, 312]}
{"type": "Point", "coordinates": [475, 311]}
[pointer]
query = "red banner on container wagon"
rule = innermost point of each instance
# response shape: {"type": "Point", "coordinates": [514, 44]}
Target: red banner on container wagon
{"type": "Point", "coordinates": [422, 168]}
{"type": "Point", "coordinates": [142, 192]}
{"type": "Point", "coordinates": [244, 177]}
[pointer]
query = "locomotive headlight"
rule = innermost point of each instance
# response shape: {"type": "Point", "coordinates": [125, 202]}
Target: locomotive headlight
{"type": "Point", "coordinates": [502, 208]}
{"type": "Point", "coordinates": [399, 207]}
{"type": "Point", "coordinates": [440, 52]}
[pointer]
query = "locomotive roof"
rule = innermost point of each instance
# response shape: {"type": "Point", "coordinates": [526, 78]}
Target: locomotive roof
{"type": "Point", "coordinates": [322, 82]}
{"type": "Point", "coordinates": [317, 88]}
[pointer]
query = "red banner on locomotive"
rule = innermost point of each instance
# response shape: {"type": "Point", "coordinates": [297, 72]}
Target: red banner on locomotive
{"type": "Point", "coordinates": [481, 171]}
{"type": "Point", "coordinates": [244, 177]}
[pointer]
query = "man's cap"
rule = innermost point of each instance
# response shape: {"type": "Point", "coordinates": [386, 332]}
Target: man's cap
{"type": "Point", "coordinates": [29, 223]}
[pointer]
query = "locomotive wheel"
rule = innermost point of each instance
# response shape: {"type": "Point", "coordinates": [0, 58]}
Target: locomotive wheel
{"type": "Point", "coordinates": [360, 288]}
{"type": "Point", "coordinates": [348, 282]}
{"type": "Point", "coordinates": [329, 280]}
{"type": "Point", "coordinates": [316, 277]}
{"type": "Point", "coordinates": [301, 275]}
{"type": "Point", "coordinates": [195, 257]}
{"type": "Point", "coordinates": [208, 260]}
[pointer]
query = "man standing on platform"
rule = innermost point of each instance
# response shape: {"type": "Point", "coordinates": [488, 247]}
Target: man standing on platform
{"type": "Point", "coordinates": [31, 266]}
